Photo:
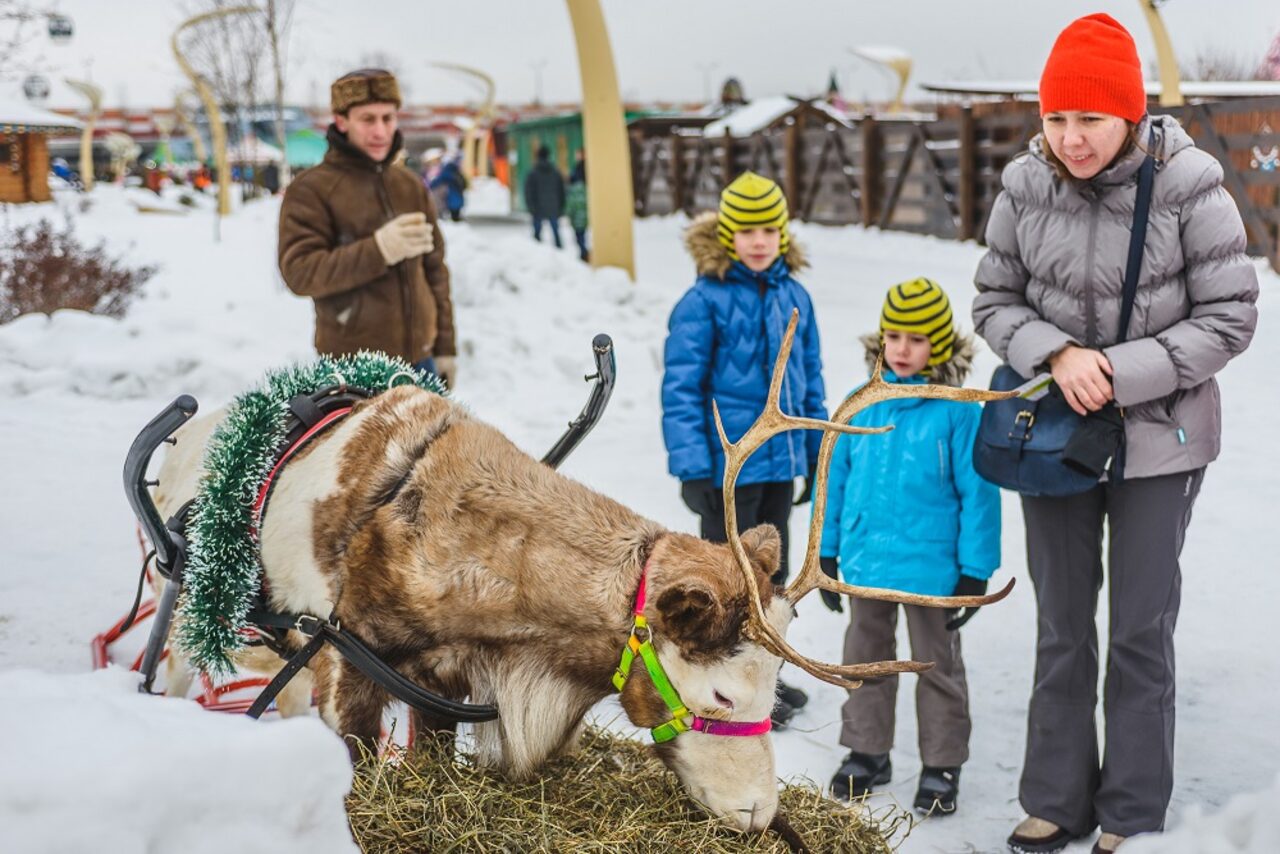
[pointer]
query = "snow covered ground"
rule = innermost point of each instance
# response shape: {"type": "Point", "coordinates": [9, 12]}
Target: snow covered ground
{"type": "Point", "coordinates": [83, 758]}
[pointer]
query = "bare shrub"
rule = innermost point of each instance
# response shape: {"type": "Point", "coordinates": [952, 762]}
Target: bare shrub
{"type": "Point", "coordinates": [44, 268]}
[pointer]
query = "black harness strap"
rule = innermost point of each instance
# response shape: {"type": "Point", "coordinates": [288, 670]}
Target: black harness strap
{"type": "Point", "coordinates": [295, 663]}
{"type": "Point", "coordinates": [363, 659]}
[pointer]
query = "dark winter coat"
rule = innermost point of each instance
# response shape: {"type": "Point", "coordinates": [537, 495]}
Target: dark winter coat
{"type": "Point", "coordinates": [327, 252]}
{"type": "Point", "coordinates": [723, 337]}
{"type": "Point", "coordinates": [906, 510]}
{"type": "Point", "coordinates": [544, 191]}
{"type": "Point", "coordinates": [1054, 272]}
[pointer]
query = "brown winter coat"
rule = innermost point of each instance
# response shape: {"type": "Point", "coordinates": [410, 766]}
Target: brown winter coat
{"type": "Point", "coordinates": [327, 252]}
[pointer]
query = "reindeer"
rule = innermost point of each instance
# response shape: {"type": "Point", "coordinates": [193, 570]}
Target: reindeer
{"type": "Point", "coordinates": [478, 572]}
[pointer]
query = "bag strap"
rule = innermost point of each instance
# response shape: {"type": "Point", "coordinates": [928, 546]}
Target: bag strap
{"type": "Point", "coordinates": [1138, 237]}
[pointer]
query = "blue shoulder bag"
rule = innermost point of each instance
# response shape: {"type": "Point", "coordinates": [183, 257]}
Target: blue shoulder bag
{"type": "Point", "coordinates": [1020, 443]}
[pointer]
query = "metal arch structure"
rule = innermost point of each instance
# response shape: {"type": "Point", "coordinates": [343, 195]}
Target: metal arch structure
{"type": "Point", "coordinates": [894, 59]}
{"type": "Point", "coordinates": [94, 95]}
{"type": "Point", "coordinates": [475, 142]}
{"type": "Point", "coordinates": [217, 128]}
{"type": "Point", "coordinates": [188, 126]}
{"type": "Point", "coordinates": [1170, 78]}
{"type": "Point", "coordinates": [610, 196]}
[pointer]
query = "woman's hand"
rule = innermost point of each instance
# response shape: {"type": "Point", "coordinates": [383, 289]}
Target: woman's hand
{"type": "Point", "coordinates": [1084, 377]}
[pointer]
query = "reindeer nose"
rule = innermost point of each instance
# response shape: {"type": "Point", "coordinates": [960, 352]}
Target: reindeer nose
{"type": "Point", "coordinates": [756, 819]}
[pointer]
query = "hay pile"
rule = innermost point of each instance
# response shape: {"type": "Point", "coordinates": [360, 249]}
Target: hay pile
{"type": "Point", "coordinates": [612, 796]}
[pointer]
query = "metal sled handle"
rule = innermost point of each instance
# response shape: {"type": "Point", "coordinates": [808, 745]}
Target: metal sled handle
{"type": "Point", "coordinates": [157, 430]}
{"type": "Point", "coordinates": [606, 373]}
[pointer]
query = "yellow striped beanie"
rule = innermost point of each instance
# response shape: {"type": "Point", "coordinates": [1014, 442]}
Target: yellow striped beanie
{"type": "Point", "coordinates": [752, 201]}
{"type": "Point", "coordinates": [921, 307]}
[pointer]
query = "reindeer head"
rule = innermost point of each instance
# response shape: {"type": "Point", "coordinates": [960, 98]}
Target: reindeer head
{"type": "Point", "coordinates": [715, 624]}
{"type": "Point", "coordinates": [696, 618]}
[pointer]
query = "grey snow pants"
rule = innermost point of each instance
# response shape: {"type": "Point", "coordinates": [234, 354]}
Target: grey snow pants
{"type": "Point", "coordinates": [1062, 779]}
{"type": "Point", "coordinates": [942, 693]}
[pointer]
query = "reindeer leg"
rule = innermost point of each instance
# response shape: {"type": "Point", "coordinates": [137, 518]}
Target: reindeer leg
{"type": "Point", "coordinates": [352, 704]}
{"type": "Point", "coordinates": [429, 728]}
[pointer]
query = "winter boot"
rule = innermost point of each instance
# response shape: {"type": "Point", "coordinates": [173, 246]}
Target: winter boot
{"type": "Point", "coordinates": [1107, 843]}
{"type": "Point", "coordinates": [791, 695]}
{"type": "Point", "coordinates": [1038, 836]}
{"type": "Point", "coordinates": [937, 792]}
{"type": "Point", "coordinates": [859, 773]}
{"type": "Point", "coordinates": [782, 713]}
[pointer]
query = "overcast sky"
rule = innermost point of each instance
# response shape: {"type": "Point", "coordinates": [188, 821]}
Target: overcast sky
{"type": "Point", "coordinates": [664, 49]}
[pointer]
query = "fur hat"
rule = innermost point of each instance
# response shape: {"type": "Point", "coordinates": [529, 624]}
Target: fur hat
{"type": "Point", "coordinates": [1094, 67]}
{"type": "Point", "coordinates": [363, 86]}
{"type": "Point", "coordinates": [752, 201]}
{"type": "Point", "coordinates": [921, 307]}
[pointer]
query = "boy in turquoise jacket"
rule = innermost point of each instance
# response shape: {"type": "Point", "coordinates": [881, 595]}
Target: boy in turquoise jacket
{"type": "Point", "coordinates": [906, 511]}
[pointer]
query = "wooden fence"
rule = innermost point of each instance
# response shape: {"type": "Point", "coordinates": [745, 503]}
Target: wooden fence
{"type": "Point", "coordinates": [935, 176]}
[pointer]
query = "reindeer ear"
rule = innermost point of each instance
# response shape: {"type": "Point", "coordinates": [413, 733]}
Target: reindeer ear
{"type": "Point", "coordinates": [688, 611]}
{"type": "Point", "coordinates": [763, 546]}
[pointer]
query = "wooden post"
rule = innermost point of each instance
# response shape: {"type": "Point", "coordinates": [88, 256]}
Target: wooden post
{"type": "Point", "coordinates": [872, 158]}
{"type": "Point", "coordinates": [726, 160]}
{"type": "Point", "coordinates": [968, 190]}
{"type": "Point", "coordinates": [791, 163]}
{"type": "Point", "coordinates": [677, 172]}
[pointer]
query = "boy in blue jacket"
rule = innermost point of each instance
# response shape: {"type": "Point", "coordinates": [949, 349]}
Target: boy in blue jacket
{"type": "Point", "coordinates": [907, 511]}
{"type": "Point", "coordinates": [723, 337]}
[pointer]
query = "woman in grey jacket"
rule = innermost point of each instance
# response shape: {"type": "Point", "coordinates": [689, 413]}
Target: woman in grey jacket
{"type": "Point", "coordinates": [1049, 299]}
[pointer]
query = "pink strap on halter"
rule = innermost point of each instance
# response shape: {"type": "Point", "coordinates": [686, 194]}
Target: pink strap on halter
{"type": "Point", "coordinates": [732, 727]}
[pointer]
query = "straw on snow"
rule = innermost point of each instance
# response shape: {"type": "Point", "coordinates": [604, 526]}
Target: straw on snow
{"type": "Point", "coordinates": [613, 795]}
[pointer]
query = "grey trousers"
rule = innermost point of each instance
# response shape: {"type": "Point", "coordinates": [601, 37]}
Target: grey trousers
{"type": "Point", "coordinates": [1062, 779]}
{"type": "Point", "coordinates": [942, 694]}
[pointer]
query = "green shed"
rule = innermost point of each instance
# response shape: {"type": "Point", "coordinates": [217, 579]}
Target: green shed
{"type": "Point", "coordinates": [562, 134]}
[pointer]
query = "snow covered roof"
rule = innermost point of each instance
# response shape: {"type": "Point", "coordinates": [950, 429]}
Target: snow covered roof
{"type": "Point", "coordinates": [17, 116]}
{"type": "Point", "coordinates": [763, 112]}
{"type": "Point", "coordinates": [1190, 88]}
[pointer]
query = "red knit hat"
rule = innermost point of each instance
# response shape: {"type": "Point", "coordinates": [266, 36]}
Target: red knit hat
{"type": "Point", "coordinates": [1094, 66]}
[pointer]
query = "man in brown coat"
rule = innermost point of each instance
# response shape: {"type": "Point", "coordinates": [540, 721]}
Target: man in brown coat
{"type": "Point", "coordinates": [358, 235]}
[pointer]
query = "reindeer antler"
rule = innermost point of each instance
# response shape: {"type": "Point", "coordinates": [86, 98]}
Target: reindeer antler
{"type": "Point", "coordinates": [773, 421]}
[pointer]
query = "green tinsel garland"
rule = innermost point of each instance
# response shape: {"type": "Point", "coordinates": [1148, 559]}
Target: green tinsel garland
{"type": "Point", "coordinates": [223, 561]}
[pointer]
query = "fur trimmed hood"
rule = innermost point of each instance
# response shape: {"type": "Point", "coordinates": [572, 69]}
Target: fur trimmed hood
{"type": "Point", "coordinates": [712, 259]}
{"type": "Point", "coordinates": [952, 372]}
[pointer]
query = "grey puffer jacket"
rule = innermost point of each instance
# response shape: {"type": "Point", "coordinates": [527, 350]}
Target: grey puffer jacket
{"type": "Point", "coordinates": [1054, 272]}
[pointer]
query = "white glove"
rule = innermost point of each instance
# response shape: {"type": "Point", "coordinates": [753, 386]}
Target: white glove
{"type": "Point", "coordinates": [447, 369]}
{"type": "Point", "coordinates": [407, 236]}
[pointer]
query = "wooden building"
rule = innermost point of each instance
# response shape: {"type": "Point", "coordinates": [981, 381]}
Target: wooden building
{"type": "Point", "coordinates": [24, 149]}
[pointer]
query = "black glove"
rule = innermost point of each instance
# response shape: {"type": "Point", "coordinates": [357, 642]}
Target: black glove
{"type": "Point", "coordinates": [1096, 441]}
{"type": "Point", "coordinates": [806, 490]}
{"type": "Point", "coordinates": [829, 597]}
{"type": "Point", "coordinates": [966, 586]}
{"type": "Point", "coordinates": [699, 496]}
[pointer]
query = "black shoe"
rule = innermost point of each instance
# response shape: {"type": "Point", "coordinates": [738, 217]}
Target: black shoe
{"type": "Point", "coordinates": [937, 792]}
{"type": "Point", "coordinates": [859, 773]}
{"type": "Point", "coordinates": [782, 713]}
{"type": "Point", "coordinates": [1022, 842]}
{"type": "Point", "coordinates": [792, 695]}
